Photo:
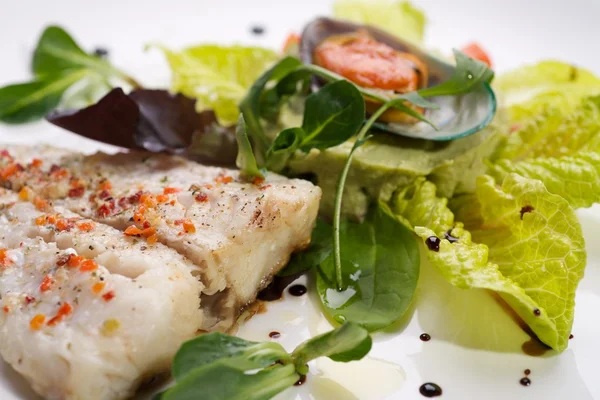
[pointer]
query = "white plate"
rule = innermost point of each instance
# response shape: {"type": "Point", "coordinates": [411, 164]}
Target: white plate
{"type": "Point", "coordinates": [475, 351]}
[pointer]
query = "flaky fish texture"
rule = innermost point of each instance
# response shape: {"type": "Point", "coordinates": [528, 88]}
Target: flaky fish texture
{"type": "Point", "coordinates": [112, 261]}
{"type": "Point", "coordinates": [239, 233]}
{"type": "Point", "coordinates": [88, 314]}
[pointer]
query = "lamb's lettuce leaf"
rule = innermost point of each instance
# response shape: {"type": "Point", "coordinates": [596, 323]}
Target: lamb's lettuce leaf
{"type": "Point", "coordinates": [575, 178]}
{"type": "Point", "coordinates": [525, 244]}
{"type": "Point", "coordinates": [218, 77]}
{"type": "Point", "coordinates": [400, 18]}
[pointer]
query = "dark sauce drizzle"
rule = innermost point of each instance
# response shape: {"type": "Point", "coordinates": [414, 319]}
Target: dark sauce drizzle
{"type": "Point", "coordinates": [101, 52]}
{"type": "Point", "coordinates": [297, 290]}
{"type": "Point", "coordinates": [527, 371]}
{"type": "Point", "coordinates": [300, 381]}
{"type": "Point", "coordinates": [425, 337]}
{"type": "Point", "coordinates": [534, 347]}
{"type": "Point", "coordinates": [526, 209]}
{"type": "Point", "coordinates": [274, 335]}
{"type": "Point", "coordinates": [525, 381]}
{"type": "Point", "coordinates": [433, 243]}
{"type": "Point", "coordinates": [257, 30]}
{"type": "Point", "coordinates": [448, 236]}
{"type": "Point", "coordinates": [275, 289]}
{"type": "Point", "coordinates": [430, 390]}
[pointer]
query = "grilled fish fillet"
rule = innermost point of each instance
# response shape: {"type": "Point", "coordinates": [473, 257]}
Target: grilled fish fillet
{"type": "Point", "coordinates": [238, 233]}
{"type": "Point", "coordinates": [87, 312]}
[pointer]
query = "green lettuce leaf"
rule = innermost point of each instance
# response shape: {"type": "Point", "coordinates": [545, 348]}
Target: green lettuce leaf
{"type": "Point", "coordinates": [534, 263]}
{"type": "Point", "coordinates": [554, 131]}
{"type": "Point", "coordinates": [218, 77]}
{"type": "Point", "coordinates": [400, 18]}
{"type": "Point", "coordinates": [546, 78]}
{"type": "Point", "coordinates": [575, 178]}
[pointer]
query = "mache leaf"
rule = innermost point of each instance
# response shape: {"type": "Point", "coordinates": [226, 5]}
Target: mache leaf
{"type": "Point", "coordinates": [216, 366]}
{"type": "Point", "coordinates": [284, 145]}
{"type": "Point", "coordinates": [31, 101]}
{"type": "Point", "coordinates": [216, 346]}
{"type": "Point", "coordinates": [251, 103]}
{"type": "Point", "coordinates": [245, 160]}
{"type": "Point", "coordinates": [57, 52]}
{"type": "Point", "coordinates": [468, 74]}
{"type": "Point", "coordinates": [349, 342]}
{"type": "Point", "coordinates": [220, 381]}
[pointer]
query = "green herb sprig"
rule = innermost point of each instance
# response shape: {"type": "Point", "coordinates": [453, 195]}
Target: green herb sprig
{"type": "Point", "coordinates": [223, 367]}
{"type": "Point", "coordinates": [333, 115]}
{"type": "Point", "coordinates": [58, 64]}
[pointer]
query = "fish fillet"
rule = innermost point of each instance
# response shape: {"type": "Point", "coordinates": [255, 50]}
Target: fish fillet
{"type": "Point", "coordinates": [238, 233]}
{"type": "Point", "coordinates": [87, 312]}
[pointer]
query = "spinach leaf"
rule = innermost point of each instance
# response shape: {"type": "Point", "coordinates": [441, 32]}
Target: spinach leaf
{"type": "Point", "coordinates": [319, 249]}
{"type": "Point", "coordinates": [251, 104]}
{"type": "Point", "coordinates": [332, 115]}
{"type": "Point", "coordinates": [33, 100]}
{"type": "Point", "coordinates": [58, 52]}
{"type": "Point", "coordinates": [380, 269]}
{"type": "Point", "coordinates": [349, 342]}
{"type": "Point", "coordinates": [245, 161]}
{"type": "Point", "coordinates": [217, 366]}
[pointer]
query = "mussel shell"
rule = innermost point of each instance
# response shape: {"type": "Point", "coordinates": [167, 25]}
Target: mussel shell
{"type": "Point", "coordinates": [458, 116]}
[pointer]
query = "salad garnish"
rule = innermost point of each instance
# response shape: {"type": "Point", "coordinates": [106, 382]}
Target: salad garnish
{"type": "Point", "coordinates": [255, 371]}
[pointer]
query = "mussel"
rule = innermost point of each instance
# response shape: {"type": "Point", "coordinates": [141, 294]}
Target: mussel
{"type": "Point", "coordinates": [375, 59]}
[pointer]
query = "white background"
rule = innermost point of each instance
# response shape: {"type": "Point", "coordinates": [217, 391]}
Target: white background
{"type": "Point", "coordinates": [475, 351]}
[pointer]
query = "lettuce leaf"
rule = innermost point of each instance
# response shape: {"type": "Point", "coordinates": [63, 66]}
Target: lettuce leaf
{"type": "Point", "coordinates": [533, 263]}
{"type": "Point", "coordinates": [399, 18]}
{"type": "Point", "coordinates": [546, 78]}
{"type": "Point", "coordinates": [218, 77]}
{"type": "Point", "coordinates": [575, 178]}
{"type": "Point", "coordinates": [551, 109]}
{"type": "Point", "coordinates": [554, 131]}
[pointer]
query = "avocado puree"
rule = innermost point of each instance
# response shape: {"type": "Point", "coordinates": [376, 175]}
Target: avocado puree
{"type": "Point", "coordinates": [387, 163]}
